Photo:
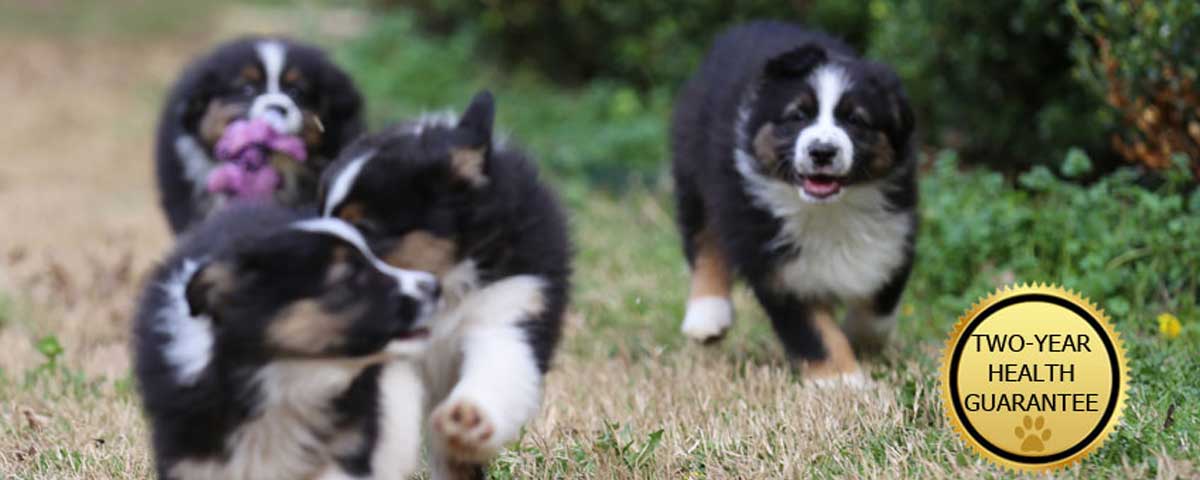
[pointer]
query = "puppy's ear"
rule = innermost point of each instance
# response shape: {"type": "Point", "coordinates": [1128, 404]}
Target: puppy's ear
{"type": "Point", "coordinates": [208, 287]}
{"type": "Point", "coordinates": [899, 111]}
{"type": "Point", "coordinates": [468, 155]}
{"type": "Point", "coordinates": [193, 95]}
{"type": "Point", "coordinates": [341, 109]}
{"type": "Point", "coordinates": [475, 126]}
{"type": "Point", "coordinates": [796, 62]}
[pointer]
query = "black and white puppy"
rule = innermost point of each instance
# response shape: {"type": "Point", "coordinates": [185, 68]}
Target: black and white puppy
{"type": "Point", "coordinates": [794, 168]}
{"type": "Point", "coordinates": [258, 348]}
{"type": "Point", "coordinates": [440, 195]}
{"type": "Point", "coordinates": [293, 86]}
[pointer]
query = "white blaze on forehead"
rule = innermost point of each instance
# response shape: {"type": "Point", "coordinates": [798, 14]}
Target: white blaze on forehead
{"type": "Point", "coordinates": [343, 182]}
{"type": "Point", "coordinates": [272, 54]}
{"type": "Point", "coordinates": [409, 280]}
{"type": "Point", "coordinates": [289, 120]}
{"type": "Point", "coordinates": [190, 338]}
{"type": "Point", "coordinates": [829, 82]}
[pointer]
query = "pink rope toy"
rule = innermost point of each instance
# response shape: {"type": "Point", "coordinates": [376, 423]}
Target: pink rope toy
{"type": "Point", "coordinates": [244, 151]}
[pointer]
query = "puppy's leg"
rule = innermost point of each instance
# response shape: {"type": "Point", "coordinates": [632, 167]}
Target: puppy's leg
{"type": "Point", "coordinates": [869, 323]}
{"type": "Point", "coordinates": [709, 309]}
{"type": "Point", "coordinates": [402, 395]}
{"type": "Point", "coordinates": [500, 385]}
{"type": "Point", "coordinates": [809, 334]}
{"type": "Point", "coordinates": [867, 330]}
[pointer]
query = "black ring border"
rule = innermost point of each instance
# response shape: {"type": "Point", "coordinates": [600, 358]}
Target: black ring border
{"type": "Point", "coordinates": [1112, 358]}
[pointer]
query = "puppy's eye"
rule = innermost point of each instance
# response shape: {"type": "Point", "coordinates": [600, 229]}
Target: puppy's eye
{"type": "Point", "coordinates": [859, 118]}
{"type": "Point", "coordinates": [249, 89]}
{"type": "Point", "coordinates": [797, 115]}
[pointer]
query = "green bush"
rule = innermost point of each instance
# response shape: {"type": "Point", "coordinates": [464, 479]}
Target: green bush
{"type": "Point", "coordinates": [1144, 59]}
{"type": "Point", "coordinates": [1132, 249]}
{"type": "Point", "coordinates": [645, 43]}
{"type": "Point", "coordinates": [993, 80]}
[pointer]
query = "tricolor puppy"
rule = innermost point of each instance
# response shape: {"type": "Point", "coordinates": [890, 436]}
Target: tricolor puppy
{"type": "Point", "coordinates": [290, 86]}
{"type": "Point", "coordinates": [258, 348]}
{"type": "Point", "coordinates": [441, 195]}
{"type": "Point", "coordinates": [794, 168]}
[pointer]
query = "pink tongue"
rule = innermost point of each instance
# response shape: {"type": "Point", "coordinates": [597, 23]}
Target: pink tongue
{"type": "Point", "coordinates": [821, 188]}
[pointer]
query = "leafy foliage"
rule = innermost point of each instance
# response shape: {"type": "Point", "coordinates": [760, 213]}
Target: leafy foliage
{"type": "Point", "coordinates": [992, 79]}
{"type": "Point", "coordinates": [1130, 247]}
{"type": "Point", "coordinates": [645, 43]}
{"type": "Point", "coordinates": [1141, 56]}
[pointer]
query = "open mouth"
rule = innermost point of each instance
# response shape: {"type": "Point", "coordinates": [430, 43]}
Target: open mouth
{"type": "Point", "coordinates": [821, 186]}
{"type": "Point", "coordinates": [414, 334]}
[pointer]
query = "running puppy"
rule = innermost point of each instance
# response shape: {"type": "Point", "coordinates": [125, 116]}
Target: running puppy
{"type": "Point", "coordinates": [258, 348]}
{"type": "Point", "coordinates": [794, 168]}
{"type": "Point", "coordinates": [307, 106]}
{"type": "Point", "coordinates": [441, 195]}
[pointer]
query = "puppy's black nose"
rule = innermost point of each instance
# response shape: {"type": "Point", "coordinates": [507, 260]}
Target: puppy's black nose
{"type": "Point", "coordinates": [277, 109]}
{"type": "Point", "coordinates": [430, 288]}
{"type": "Point", "coordinates": [822, 154]}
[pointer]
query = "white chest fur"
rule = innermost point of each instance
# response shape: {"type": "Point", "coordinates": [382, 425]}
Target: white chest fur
{"type": "Point", "coordinates": [847, 249]}
{"type": "Point", "coordinates": [286, 439]}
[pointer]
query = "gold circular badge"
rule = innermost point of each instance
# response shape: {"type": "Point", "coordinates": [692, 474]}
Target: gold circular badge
{"type": "Point", "coordinates": [1034, 377]}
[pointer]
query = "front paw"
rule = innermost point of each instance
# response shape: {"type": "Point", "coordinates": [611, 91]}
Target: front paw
{"type": "Point", "coordinates": [464, 430]}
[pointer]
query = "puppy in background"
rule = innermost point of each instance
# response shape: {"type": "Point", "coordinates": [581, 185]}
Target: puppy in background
{"type": "Point", "coordinates": [259, 345]}
{"type": "Point", "coordinates": [292, 110]}
{"type": "Point", "coordinates": [442, 195]}
{"type": "Point", "coordinates": [794, 168]}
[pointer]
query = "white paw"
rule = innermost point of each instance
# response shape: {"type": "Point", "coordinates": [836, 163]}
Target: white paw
{"type": "Point", "coordinates": [707, 318]}
{"type": "Point", "coordinates": [465, 432]}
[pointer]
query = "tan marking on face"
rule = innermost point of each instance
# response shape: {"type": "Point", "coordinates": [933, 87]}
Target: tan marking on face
{"type": "Point", "coordinates": [251, 74]}
{"type": "Point", "coordinates": [293, 75]}
{"type": "Point", "coordinates": [340, 268]}
{"type": "Point", "coordinates": [352, 212]}
{"type": "Point", "coordinates": [218, 116]}
{"type": "Point", "coordinates": [839, 357]}
{"type": "Point", "coordinates": [421, 250]}
{"type": "Point", "coordinates": [764, 146]}
{"type": "Point", "coordinates": [211, 284]}
{"type": "Point", "coordinates": [884, 155]}
{"type": "Point", "coordinates": [467, 164]}
{"type": "Point", "coordinates": [308, 328]}
{"type": "Point", "coordinates": [342, 254]}
{"type": "Point", "coordinates": [710, 269]}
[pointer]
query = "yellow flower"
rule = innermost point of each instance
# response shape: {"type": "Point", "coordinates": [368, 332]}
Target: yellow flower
{"type": "Point", "coordinates": [1168, 325]}
{"type": "Point", "coordinates": [908, 310]}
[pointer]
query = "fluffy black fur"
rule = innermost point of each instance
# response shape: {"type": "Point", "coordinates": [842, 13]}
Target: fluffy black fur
{"type": "Point", "coordinates": [509, 223]}
{"type": "Point", "coordinates": [750, 77]}
{"type": "Point", "coordinates": [449, 183]}
{"type": "Point", "coordinates": [219, 79]}
{"type": "Point", "coordinates": [252, 268]}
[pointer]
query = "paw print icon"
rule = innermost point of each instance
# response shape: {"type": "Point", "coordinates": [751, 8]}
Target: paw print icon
{"type": "Point", "coordinates": [1034, 434]}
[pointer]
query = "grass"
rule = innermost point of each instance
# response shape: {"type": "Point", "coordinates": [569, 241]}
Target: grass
{"type": "Point", "coordinates": [629, 397]}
